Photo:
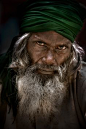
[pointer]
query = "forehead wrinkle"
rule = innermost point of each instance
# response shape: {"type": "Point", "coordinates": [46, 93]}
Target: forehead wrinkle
{"type": "Point", "coordinates": [37, 37]}
{"type": "Point", "coordinates": [53, 38]}
{"type": "Point", "coordinates": [42, 38]}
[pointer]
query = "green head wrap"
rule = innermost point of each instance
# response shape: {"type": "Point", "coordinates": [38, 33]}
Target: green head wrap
{"type": "Point", "coordinates": [63, 16]}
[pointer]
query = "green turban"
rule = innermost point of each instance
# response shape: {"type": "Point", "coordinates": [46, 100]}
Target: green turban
{"type": "Point", "coordinates": [63, 16]}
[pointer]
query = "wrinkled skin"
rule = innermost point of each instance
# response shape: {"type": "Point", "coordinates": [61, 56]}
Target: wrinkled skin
{"type": "Point", "coordinates": [48, 48]}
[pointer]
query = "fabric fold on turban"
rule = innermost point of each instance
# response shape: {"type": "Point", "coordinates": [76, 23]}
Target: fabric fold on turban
{"type": "Point", "coordinates": [62, 16]}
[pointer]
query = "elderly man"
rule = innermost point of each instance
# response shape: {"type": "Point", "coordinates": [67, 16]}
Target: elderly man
{"type": "Point", "coordinates": [44, 78]}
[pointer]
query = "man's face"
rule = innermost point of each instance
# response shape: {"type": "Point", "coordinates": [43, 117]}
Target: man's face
{"type": "Point", "coordinates": [48, 48]}
{"type": "Point", "coordinates": [43, 85]}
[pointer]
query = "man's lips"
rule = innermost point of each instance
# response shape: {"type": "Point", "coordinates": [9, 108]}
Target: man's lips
{"type": "Point", "coordinates": [45, 71]}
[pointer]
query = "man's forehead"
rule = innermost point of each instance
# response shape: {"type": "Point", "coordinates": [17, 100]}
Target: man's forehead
{"type": "Point", "coordinates": [49, 36]}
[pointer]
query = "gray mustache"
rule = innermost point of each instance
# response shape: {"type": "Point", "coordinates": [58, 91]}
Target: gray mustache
{"type": "Point", "coordinates": [60, 70]}
{"type": "Point", "coordinates": [38, 66]}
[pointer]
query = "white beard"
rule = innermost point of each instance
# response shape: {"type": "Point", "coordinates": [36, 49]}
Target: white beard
{"type": "Point", "coordinates": [39, 104]}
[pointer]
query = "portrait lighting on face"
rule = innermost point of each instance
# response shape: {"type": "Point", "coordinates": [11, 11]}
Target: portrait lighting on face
{"type": "Point", "coordinates": [42, 74]}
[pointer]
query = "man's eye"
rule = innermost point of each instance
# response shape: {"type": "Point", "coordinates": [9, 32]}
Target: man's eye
{"type": "Point", "coordinates": [61, 47]}
{"type": "Point", "coordinates": [40, 43]}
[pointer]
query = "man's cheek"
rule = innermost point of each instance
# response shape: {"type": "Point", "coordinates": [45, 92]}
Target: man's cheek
{"type": "Point", "coordinates": [37, 58]}
{"type": "Point", "coordinates": [61, 59]}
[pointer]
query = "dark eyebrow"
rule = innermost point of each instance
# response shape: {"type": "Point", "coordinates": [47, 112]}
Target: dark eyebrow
{"type": "Point", "coordinates": [39, 40]}
{"type": "Point", "coordinates": [64, 43]}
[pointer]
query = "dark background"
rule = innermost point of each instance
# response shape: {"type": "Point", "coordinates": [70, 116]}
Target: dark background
{"type": "Point", "coordinates": [9, 24]}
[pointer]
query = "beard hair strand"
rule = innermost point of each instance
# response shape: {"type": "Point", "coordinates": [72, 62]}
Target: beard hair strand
{"type": "Point", "coordinates": [40, 96]}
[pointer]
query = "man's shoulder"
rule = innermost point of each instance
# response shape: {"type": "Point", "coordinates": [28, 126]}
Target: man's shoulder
{"type": "Point", "coordinates": [82, 70]}
{"type": "Point", "coordinates": [80, 92]}
{"type": "Point", "coordinates": [81, 77]}
{"type": "Point", "coordinates": [83, 64]}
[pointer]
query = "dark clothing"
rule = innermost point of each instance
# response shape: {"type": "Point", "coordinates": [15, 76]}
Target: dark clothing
{"type": "Point", "coordinates": [73, 111]}
{"type": "Point", "coordinates": [73, 114]}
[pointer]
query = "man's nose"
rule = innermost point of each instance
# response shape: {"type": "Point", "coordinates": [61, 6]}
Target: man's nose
{"type": "Point", "coordinates": [49, 58]}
